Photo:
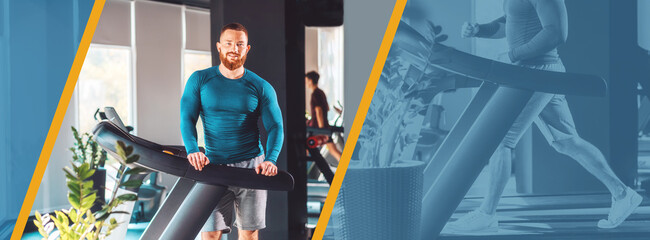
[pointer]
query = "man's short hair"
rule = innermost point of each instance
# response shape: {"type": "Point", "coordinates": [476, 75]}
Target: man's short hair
{"type": "Point", "coordinates": [234, 26]}
{"type": "Point", "coordinates": [313, 76]}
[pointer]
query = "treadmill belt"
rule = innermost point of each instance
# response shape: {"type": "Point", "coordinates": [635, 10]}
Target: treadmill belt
{"type": "Point", "coordinates": [631, 229]}
{"type": "Point", "coordinates": [555, 217]}
{"type": "Point", "coordinates": [540, 202]}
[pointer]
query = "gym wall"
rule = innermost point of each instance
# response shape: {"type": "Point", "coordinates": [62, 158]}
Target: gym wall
{"type": "Point", "coordinates": [364, 30]}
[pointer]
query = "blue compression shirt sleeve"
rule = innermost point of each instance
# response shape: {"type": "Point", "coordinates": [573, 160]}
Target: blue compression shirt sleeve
{"type": "Point", "coordinates": [272, 120]}
{"type": "Point", "coordinates": [190, 109]}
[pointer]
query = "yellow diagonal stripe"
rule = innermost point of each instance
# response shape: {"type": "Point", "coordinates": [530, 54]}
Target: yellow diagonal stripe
{"type": "Point", "coordinates": [359, 119]}
{"type": "Point", "coordinates": [52, 134]}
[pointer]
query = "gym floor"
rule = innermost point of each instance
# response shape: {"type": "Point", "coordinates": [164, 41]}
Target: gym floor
{"type": "Point", "coordinates": [556, 217]}
{"type": "Point", "coordinates": [134, 232]}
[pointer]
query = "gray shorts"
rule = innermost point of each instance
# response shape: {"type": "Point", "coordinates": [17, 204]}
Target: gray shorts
{"type": "Point", "coordinates": [550, 112]}
{"type": "Point", "coordinates": [249, 205]}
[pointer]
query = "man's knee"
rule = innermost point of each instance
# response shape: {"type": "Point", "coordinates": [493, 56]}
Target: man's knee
{"type": "Point", "coordinates": [216, 235]}
{"type": "Point", "coordinates": [565, 146]}
{"type": "Point", "coordinates": [504, 148]}
{"type": "Point", "coordinates": [502, 154]}
{"type": "Point", "coordinates": [248, 234]}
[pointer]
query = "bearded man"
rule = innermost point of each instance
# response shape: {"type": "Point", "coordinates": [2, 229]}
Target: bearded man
{"type": "Point", "coordinates": [230, 99]}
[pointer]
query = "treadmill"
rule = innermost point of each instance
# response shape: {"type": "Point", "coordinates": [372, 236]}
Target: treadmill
{"type": "Point", "coordinates": [195, 194]}
{"type": "Point", "coordinates": [317, 190]}
{"type": "Point", "coordinates": [315, 142]}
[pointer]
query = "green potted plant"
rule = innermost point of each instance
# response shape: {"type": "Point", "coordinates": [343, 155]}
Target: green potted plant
{"type": "Point", "coordinates": [79, 222]}
{"type": "Point", "coordinates": [86, 150]}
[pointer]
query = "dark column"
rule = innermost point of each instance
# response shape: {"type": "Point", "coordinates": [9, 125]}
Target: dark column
{"type": "Point", "coordinates": [627, 62]}
{"type": "Point", "coordinates": [295, 119]}
{"type": "Point", "coordinates": [276, 36]}
{"type": "Point", "coordinates": [216, 22]}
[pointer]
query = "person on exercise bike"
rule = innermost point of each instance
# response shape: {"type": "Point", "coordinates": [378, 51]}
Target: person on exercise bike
{"type": "Point", "coordinates": [230, 99]}
{"type": "Point", "coordinates": [534, 29]}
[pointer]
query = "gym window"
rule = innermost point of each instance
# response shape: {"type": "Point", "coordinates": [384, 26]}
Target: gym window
{"type": "Point", "coordinates": [105, 80]}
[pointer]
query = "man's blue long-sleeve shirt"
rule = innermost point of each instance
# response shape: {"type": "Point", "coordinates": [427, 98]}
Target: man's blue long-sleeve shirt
{"type": "Point", "coordinates": [230, 109]}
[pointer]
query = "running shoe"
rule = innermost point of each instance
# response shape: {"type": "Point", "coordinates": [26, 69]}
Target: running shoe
{"type": "Point", "coordinates": [621, 209]}
{"type": "Point", "coordinates": [475, 221]}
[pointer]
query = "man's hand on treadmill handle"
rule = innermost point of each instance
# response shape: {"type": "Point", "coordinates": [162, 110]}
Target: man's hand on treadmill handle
{"type": "Point", "coordinates": [266, 168]}
{"type": "Point", "coordinates": [198, 160]}
{"type": "Point", "coordinates": [469, 30]}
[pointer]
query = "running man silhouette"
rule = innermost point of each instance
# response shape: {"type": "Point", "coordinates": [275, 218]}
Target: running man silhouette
{"type": "Point", "coordinates": [534, 29]}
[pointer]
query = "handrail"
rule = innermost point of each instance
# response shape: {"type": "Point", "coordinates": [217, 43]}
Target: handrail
{"type": "Point", "coordinates": [154, 157]}
{"type": "Point", "coordinates": [506, 75]}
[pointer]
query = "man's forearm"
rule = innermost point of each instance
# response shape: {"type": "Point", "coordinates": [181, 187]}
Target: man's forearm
{"type": "Point", "coordinates": [189, 134]}
{"type": "Point", "coordinates": [319, 117]}
{"type": "Point", "coordinates": [272, 120]}
{"type": "Point", "coordinates": [190, 108]}
{"type": "Point", "coordinates": [494, 29]}
{"type": "Point", "coordinates": [274, 142]}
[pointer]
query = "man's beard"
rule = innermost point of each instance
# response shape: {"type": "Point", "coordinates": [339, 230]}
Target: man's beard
{"type": "Point", "coordinates": [232, 65]}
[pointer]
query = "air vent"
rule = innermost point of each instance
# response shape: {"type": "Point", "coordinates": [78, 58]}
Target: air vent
{"type": "Point", "coordinates": [322, 13]}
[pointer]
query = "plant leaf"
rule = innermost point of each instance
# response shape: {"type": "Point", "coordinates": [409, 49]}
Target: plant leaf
{"type": "Point", "coordinates": [38, 216]}
{"type": "Point", "coordinates": [128, 197]}
{"type": "Point", "coordinates": [120, 212]}
{"type": "Point", "coordinates": [87, 174]}
{"type": "Point", "coordinates": [120, 149]}
{"type": "Point", "coordinates": [131, 183]}
{"type": "Point", "coordinates": [441, 38]}
{"type": "Point", "coordinates": [74, 201]}
{"type": "Point", "coordinates": [128, 150]}
{"type": "Point", "coordinates": [73, 187]}
{"type": "Point", "coordinates": [132, 159]}
{"type": "Point", "coordinates": [87, 185]}
{"type": "Point", "coordinates": [69, 174]}
{"type": "Point", "coordinates": [102, 216]}
{"type": "Point", "coordinates": [135, 170]}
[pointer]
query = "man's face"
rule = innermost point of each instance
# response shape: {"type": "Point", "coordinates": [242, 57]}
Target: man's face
{"type": "Point", "coordinates": [308, 83]}
{"type": "Point", "coordinates": [233, 48]}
